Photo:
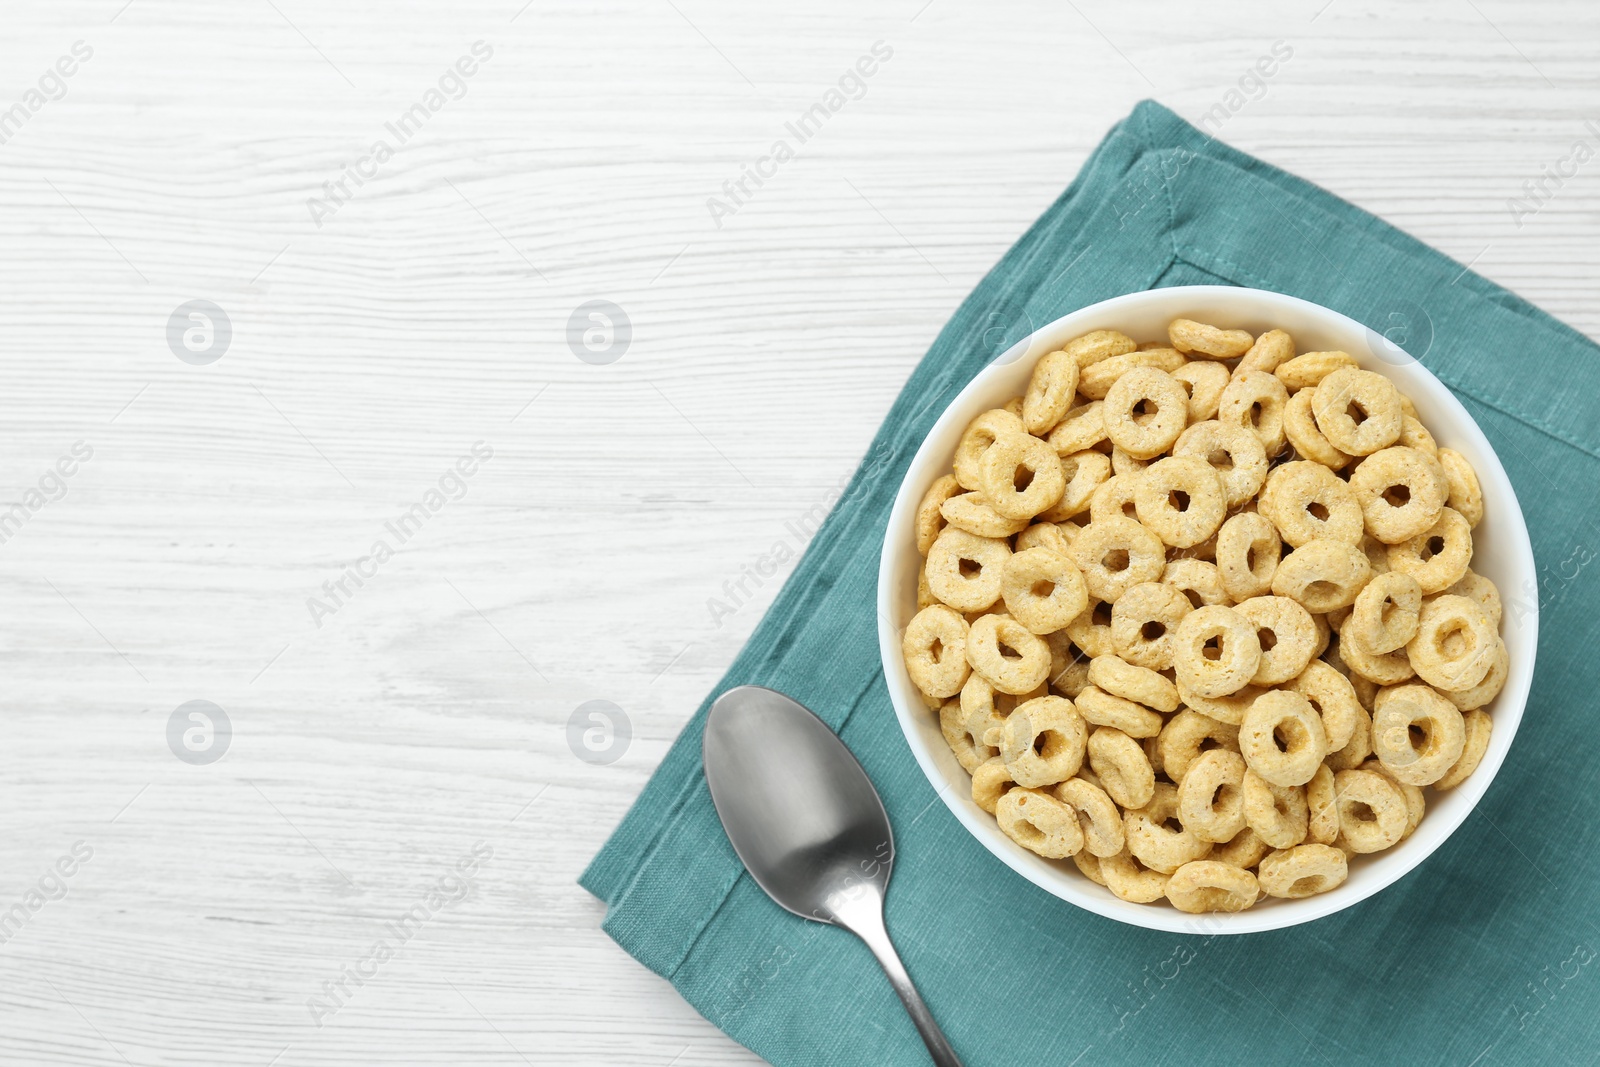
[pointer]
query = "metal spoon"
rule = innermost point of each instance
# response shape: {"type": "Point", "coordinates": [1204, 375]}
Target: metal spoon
{"type": "Point", "coordinates": [809, 827]}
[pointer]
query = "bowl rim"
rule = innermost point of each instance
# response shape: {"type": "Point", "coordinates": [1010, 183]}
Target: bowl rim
{"type": "Point", "coordinates": [1398, 862]}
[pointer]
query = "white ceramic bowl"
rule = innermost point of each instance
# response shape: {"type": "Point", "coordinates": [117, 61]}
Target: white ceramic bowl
{"type": "Point", "coordinates": [1502, 553]}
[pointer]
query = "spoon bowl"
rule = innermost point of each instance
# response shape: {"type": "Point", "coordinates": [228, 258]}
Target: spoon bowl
{"type": "Point", "coordinates": [801, 813]}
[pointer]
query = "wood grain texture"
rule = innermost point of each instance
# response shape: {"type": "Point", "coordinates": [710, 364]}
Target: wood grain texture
{"type": "Point", "coordinates": [429, 312]}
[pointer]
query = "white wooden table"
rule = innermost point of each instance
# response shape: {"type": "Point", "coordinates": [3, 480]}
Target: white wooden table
{"type": "Point", "coordinates": [380, 734]}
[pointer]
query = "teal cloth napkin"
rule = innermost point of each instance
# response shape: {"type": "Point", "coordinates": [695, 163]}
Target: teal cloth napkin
{"type": "Point", "coordinates": [1489, 953]}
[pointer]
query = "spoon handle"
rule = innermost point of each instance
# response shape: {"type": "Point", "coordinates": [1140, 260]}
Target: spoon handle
{"type": "Point", "coordinates": [876, 935]}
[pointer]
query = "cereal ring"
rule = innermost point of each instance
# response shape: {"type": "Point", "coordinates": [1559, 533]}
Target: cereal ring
{"type": "Point", "coordinates": [1042, 590]}
{"type": "Point", "coordinates": [1398, 494]}
{"type": "Point", "coordinates": [1210, 885]}
{"type": "Point", "coordinates": [983, 709]}
{"type": "Point", "coordinates": [1372, 813]}
{"type": "Point", "coordinates": [1233, 452]}
{"type": "Point", "coordinates": [1145, 411]}
{"type": "Point", "coordinates": [980, 433]}
{"type": "Point", "coordinates": [1307, 502]}
{"type": "Point", "coordinates": [1322, 576]}
{"type": "Point", "coordinates": [1377, 553]}
{"type": "Point", "coordinates": [1228, 709]}
{"type": "Point", "coordinates": [1287, 635]}
{"type": "Point", "coordinates": [1333, 698]}
{"type": "Point", "coordinates": [1415, 435]}
{"type": "Point", "coordinates": [1131, 880]}
{"type": "Point", "coordinates": [1477, 726]}
{"type": "Point", "coordinates": [1245, 850]}
{"type": "Point", "coordinates": [971, 512]}
{"type": "Point", "coordinates": [1020, 476]}
{"type": "Point", "coordinates": [1391, 668]}
{"type": "Point", "coordinates": [1089, 864]}
{"type": "Point", "coordinates": [1071, 679]}
{"type": "Point", "coordinates": [1200, 582]}
{"type": "Point", "coordinates": [1091, 631]}
{"type": "Point", "coordinates": [1150, 839]}
{"type": "Point", "coordinates": [1098, 816]}
{"type": "Point", "coordinates": [1436, 471]}
{"type": "Point", "coordinates": [1043, 742]}
{"type": "Point", "coordinates": [1097, 345]}
{"type": "Point", "coordinates": [1204, 381]}
{"type": "Point", "coordinates": [1061, 651]}
{"type": "Point", "coordinates": [1475, 586]}
{"type": "Point", "coordinates": [1300, 427]}
{"type": "Point", "coordinates": [1115, 554]}
{"type": "Point", "coordinates": [1081, 428]}
{"type": "Point", "coordinates": [1248, 550]}
{"type": "Point", "coordinates": [1270, 350]}
{"type": "Point", "coordinates": [1187, 735]}
{"type": "Point", "coordinates": [1256, 401]}
{"type": "Point", "coordinates": [1142, 621]}
{"type": "Point", "coordinates": [1455, 643]}
{"type": "Point", "coordinates": [1211, 796]}
{"type": "Point", "coordinates": [1277, 813]}
{"type": "Point", "coordinates": [1024, 670]}
{"type": "Point", "coordinates": [930, 520]}
{"type": "Point", "coordinates": [1357, 749]}
{"type": "Point", "coordinates": [1322, 809]}
{"type": "Point", "coordinates": [1039, 823]}
{"type": "Point", "coordinates": [1050, 392]}
{"type": "Point", "coordinates": [970, 751]}
{"type": "Point", "coordinates": [1486, 690]}
{"type": "Point", "coordinates": [1416, 802]}
{"type": "Point", "coordinates": [1417, 734]}
{"type": "Point", "coordinates": [965, 570]}
{"type": "Point", "coordinates": [1047, 535]}
{"type": "Point", "coordinates": [1281, 738]}
{"type": "Point", "coordinates": [1357, 410]}
{"type": "Point", "coordinates": [1302, 871]}
{"type": "Point", "coordinates": [1307, 371]}
{"type": "Point", "coordinates": [1139, 684]}
{"type": "Point", "coordinates": [1114, 499]}
{"type": "Point", "coordinates": [1122, 767]}
{"type": "Point", "coordinates": [1122, 463]}
{"type": "Point", "coordinates": [1152, 752]}
{"type": "Point", "coordinates": [1325, 630]}
{"type": "Point", "coordinates": [1215, 651]}
{"type": "Point", "coordinates": [989, 783]}
{"type": "Point", "coordinates": [1102, 709]}
{"type": "Point", "coordinates": [1466, 495]}
{"type": "Point", "coordinates": [1437, 558]}
{"type": "Point", "coordinates": [1181, 498]}
{"type": "Point", "coordinates": [1096, 381]}
{"type": "Point", "coordinates": [1087, 775]}
{"type": "Point", "coordinates": [1084, 472]}
{"type": "Point", "coordinates": [1188, 336]}
{"type": "Point", "coordinates": [1385, 613]}
{"type": "Point", "coordinates": [935, 647]}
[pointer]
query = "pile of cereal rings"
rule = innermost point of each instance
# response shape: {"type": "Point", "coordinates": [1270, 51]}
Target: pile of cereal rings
{"type": "Point", "coordinates": [1198, 614]}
